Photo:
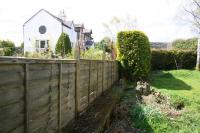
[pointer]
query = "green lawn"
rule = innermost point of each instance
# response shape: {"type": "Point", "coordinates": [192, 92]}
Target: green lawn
{"type": "Point", "coordinates": [182, 86]}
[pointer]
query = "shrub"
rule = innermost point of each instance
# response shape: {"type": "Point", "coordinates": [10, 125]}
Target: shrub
{"type": "Point", "coordinates": [8, 48]}
{"type": "Point", "coordinates": [166, 60]}
{"type": "Point", "coordinates": [134, 54]}
{"type": "Point", "coordinates": [63, 45]}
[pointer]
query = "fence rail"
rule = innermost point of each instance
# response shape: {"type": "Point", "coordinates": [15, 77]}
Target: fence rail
{"type": "Point", "coordinates": [38, 95]}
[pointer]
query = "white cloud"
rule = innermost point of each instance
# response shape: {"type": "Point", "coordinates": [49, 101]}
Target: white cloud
{"type": "Point", "coordinates": [155, 17]}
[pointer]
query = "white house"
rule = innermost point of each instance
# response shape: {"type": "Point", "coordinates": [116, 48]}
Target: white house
{"type": "Point", "coordinates": [43, 29]}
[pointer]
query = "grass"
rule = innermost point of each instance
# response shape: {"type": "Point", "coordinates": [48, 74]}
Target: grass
{"type": "Point", "coordinates": [182, 86]}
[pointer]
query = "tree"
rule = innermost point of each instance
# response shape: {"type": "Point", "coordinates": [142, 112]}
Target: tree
{"type": "Point", "coordinates": [194, 13]}
{"type": "Point", "coordinates": [198, 57]}
{"type": "Point", "coordinates": [188, 44]}
{"type": "Point", "coordinates": [63, 45]}
{"type": "Point", "coordinates": [105, 44]}
{"type": "Point", "coordinates": [8, 47]}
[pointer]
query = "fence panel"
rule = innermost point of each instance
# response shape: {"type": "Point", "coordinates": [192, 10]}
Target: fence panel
{"type": "Point", "coordinates": [45, 95]}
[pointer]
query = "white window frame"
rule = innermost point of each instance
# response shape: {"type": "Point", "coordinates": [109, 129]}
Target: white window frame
{"type": "Point", "coordinates": [38, 45]}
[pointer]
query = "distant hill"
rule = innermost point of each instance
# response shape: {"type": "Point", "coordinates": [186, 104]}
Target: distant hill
{"type": "Point", "coordinates": [160, 45]}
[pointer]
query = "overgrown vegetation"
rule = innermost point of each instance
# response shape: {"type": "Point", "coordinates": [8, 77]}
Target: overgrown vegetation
{"type": "Point", "coordinates": [167, 60]}
{"type": "Point", "coordinates": [63, 45]}
{"type": "Point", "coordinates": [134, 54]}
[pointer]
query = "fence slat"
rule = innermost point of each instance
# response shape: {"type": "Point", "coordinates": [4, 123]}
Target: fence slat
{"type": "Point", "coordinates": [26, 100]}
{"type": "Point", "coordinates": [102, 76]}
{"type": "Point", "coordinates": [59, 98]}
{"type": "Point", "coordinates": [77, 89]}
{"type": "Point", "coordinates": [89, 83]}
{"type": "Point", "coordinates": [97, 79]}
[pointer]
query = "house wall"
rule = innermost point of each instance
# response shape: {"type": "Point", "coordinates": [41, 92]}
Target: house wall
{"type": "Point", "coordinates": [31, 31]}
{"type": "Point", "coordinates": [71, 33]}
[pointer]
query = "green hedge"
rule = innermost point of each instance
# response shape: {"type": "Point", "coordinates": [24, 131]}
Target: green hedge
{"type": "Point", "coordinates": [134, 54]}
{"type": "Point", "coordinates": [166, 60]}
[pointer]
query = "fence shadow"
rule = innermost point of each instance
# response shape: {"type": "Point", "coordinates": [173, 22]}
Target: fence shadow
{"type": "Point", "coordinates": [167, 81]}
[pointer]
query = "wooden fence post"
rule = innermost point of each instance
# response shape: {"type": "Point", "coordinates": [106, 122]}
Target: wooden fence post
{"type": "Point", "coordinates": [26, 97]}
{"type": "Point", "coordinates": [97, 78]}
{"type": "Point", "coordinates": [107, 71]}
{"type": "Point", "coordinates": [59, 98]}
{"type": "Point", "coordinates": [89, 83]}
{"type": "Point", "coordinates": [111, 73]}
{"type": "Point", "coordinates": [77, 89]}
{"type": "Point", "coordinates": [102, 76]}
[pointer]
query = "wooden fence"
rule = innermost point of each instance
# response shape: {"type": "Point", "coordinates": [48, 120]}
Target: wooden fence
{"type": "Point", "coordinates": [39, 96]}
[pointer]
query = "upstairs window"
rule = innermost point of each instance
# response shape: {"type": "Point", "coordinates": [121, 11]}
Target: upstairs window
{"type": "Point", "coordinates": [42, 29]}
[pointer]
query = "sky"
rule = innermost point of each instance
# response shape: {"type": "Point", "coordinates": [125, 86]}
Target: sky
{"type": "Point", "coordinates": [159, 19]}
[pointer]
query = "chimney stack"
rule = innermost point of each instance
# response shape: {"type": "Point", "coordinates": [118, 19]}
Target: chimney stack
{"type": "Point", "coordinates": [62, 15]}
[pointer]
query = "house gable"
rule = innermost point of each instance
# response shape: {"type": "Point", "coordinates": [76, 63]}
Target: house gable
{"type": "Point", "coordinates": [32, 30]}
{"type": "Point", "coordinates": [58, 19]}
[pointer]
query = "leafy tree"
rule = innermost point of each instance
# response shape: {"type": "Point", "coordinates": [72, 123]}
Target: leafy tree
{"type": "Point", "coordinates": [189, 44]}
{"type": "Point", "coordinates": [134, 54]}
{"type": "Point", "coordinates": [63, 45]}
{"type": "Point", "coordinates": [8, 47]}
{"type": "Point", "coordinates": [105, 44]}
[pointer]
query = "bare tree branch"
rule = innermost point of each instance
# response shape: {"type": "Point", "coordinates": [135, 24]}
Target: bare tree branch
{"type": "Point", "coordinates": [196, 2]}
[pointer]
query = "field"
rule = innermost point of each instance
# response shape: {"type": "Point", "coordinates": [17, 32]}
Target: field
{"type": "Point", "coordinates": [177, 106]}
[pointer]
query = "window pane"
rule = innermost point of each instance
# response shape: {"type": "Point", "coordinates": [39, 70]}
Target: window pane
{"type": "Point", "coordinates": [37, 43]}
{"type": "Point", "coordinates": [42, 44]}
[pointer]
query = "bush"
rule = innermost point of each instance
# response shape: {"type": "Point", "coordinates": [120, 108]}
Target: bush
{"type": "Point", "coordinates": [134, 54]}
{"type": "Point", "coordinates": [166, 60]}
{"type": "Point", "coordinates": [189, 44]}
{"type": "Point", "coordinates": [8, 48]}
{"type": "Point", "coordinates": [63, 45]}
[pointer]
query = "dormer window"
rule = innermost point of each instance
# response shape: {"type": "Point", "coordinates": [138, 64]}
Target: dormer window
{"type": "Point", "coordinates": [42, 29]}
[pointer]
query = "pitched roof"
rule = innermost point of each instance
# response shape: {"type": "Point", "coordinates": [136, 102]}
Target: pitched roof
{"type": "Point", "coordinates": [79, 25]}
{"type": "Point", "coordinates": [87, 31]}
{"type": "Point", "coordinates": [69, 23]}
{"type": "Point", "coordinates": [60, 20]}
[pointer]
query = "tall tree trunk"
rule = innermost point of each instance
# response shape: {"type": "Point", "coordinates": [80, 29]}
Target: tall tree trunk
{"type": "Point", "coordinates": [198, 56]}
